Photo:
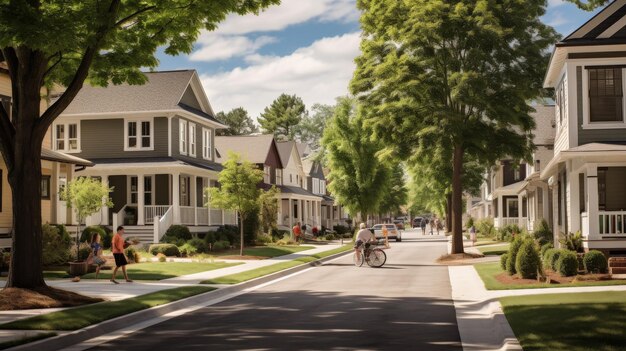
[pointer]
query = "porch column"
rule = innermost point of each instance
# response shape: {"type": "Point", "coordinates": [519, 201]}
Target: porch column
{"type": "Point", "coordinates": [301, 211]}
{"type": "Point", "coordinates": [290, 213]}
{"type": "Point", "coordinates": [593, 230]}
{"type": "Point", "coordinates": [574, 200]}
{"type": "Point", "coordinates": [105, 209]}
{"type": "Point", "coordinates": [332, 216]}
{"type": "Point", "coordinates": [500, 212]}
{"type": "Point", "coordinates": [279, 210]}
{"type": "Point", "coordinates": [70, 211]}
{"type": "Point", "coordinates": [54, 189]}
{"type": "Point", "coordinates": [520, 211]}
{"type": "Point", "coordinates": [545, 204]}
{"type": "Point", "coordinates": [176, 196]}
{"type": "Point", "coordinates": [194, 201]}
{"type": "Point", "coordinates": [141, 202]}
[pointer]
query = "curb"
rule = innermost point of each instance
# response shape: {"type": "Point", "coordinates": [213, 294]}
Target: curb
{"type": "Point", "coordinates": [93, 331]}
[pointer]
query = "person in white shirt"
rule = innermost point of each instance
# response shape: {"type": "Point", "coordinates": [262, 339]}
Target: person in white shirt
{"type": "Point", "coordinates": [363, 236]}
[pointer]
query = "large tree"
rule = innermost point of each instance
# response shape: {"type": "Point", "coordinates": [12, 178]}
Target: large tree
{"type": "Point", "coordinates": [589, 5]}
{"type": "Point", "coordinates": [282, 117]}
{"type": "Point", "coordinates": [457, 72]}
{"type": "Point", "coordinates": [395, 194]}
{"type": "Point", "coordinates": [66, 42]}
{"type": "Point", "coordinates": [357, 177]}
{"type": "Point", "coordinates": [311, 129]}
{"type": "Point", "coordinates": [238, 122]}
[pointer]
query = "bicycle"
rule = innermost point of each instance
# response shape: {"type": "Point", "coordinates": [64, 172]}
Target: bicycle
{"type": "Point", "coordinates": [369, 253]}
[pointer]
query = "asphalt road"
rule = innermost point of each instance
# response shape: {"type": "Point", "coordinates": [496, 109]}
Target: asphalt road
{"type": "Point", "coordinates": [405, 305]}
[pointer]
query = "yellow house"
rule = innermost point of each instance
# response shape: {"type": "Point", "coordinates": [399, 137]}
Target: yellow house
{"type": "Point", "coordinates": [57, 169]}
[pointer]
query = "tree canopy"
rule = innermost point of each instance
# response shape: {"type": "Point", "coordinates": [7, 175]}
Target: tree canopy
{"type": "Point", "coordinates": [589, 5]}
{"type": "Point", "coordinates": [282, 117]}
{"type": "Point", "coordinates": [452, 74]}
{"type": "Point", "coordinates": [238, 122]}
{"type": "Point", "coordinates": [311, 128]}
{"type": "Point", "coordinates": [395, 194]}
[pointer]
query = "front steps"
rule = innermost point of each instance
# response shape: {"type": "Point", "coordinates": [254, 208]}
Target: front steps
{"type": "Point", "coordinates": [617, 265]}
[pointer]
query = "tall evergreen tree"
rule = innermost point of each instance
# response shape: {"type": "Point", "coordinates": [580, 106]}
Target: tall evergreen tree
{"type": "Point", "coordinates": [282, 117]}
{"type": "Point", "coordinates": [238, 122]}
{"type": "Point", "coordinates": [65, 42]}
{"type": "Point", "coordinates": [311, 128]}
{"type": "Point", "coordinates": [357, 177]}
{"type": "Point", "coordinates": [457, 72]}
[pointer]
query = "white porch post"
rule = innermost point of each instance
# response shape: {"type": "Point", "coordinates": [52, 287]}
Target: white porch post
{"type": "Point", "coordinates": [176, 196]}
{"type": "Point", "coordinates": [301, 211]}
{"type": "Point", "coordinates": [332, 215]}
{"type": "Point", "coordinates": [290, 213]}
{"type": "Point", "coordinates": [70, 212]}
{"type": "Point", "coordinates": [545, 204]}
{"type": "Point", "coordinates": [593, 231]}
{"type": "Point", "coordinates": [574, 200]}
{"type": "Point", "coordinates": [520, 210]}
{"type": "Point", "coordinates": [105, 209]}
{"type": "Point", "coordinates": [194, 201]}
{"type": "Point", "coordinates": [500, 212]}
{"type": "Point", "coordinates": [279, 215]}
{"type": "Point", "coordinates": [54, 189]}
{"type": "Point", "coordinates": [141, 212]}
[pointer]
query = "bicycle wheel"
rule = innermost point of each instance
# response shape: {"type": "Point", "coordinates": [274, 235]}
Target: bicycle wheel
{"type": "Point", "coordinates": [358, 260]}
{"type": "Point", "coordinates": [376, 258]}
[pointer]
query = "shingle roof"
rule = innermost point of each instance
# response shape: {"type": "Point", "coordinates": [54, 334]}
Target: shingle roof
{"type": "Point", "coordinates": [296, 190]}
{"type": "Point", "coordinates": [253, 148]}
{"type": "Point", "coordinates": [50, 155]}
{"type": "Point", "coordinates": [544, 131]}
{"type": "Point", "coordinates": [284, 150]}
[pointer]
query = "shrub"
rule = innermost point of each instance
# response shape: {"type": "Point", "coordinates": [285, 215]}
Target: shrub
{"type": "Point", "coordinates": [512, 255]}
{"type": "Point", "coordinates": [548, 256]}
{"type": "Point", "coordinates": [56, 248]}
{"type": "Point", "coordinates": [544, 248]}
{"type": "Point", "coordinates": [221, 245]}
{"type": "Point", "coordinates": [161, 257]}
{"type": "Point", "coordinates": [329, 236]}
{"type": "Point", "coordinates": [278, 234]}
{"type": "Point", "coordinates": [168, 239]}
{"type": "Point", "coordinates": [341, 229]}
{"type": "Point", "coordinates": [554, 259]}
{"type": "Point", "coordinates": [199, 244]}
{"type": "Point", "coordinates": [572, 242]}
{"type": "Point", "coordinates": [503, 259]}
{"type": "Point", "coordinates": [543, 234]}
{"type": "Point", "coordinates": [470, 223]}
{"type": "Point", "coordinates": [527, 262]}
{"type": "Point", "coordinates": [89, 231]}
{"type": "Point", "coordinates": [187, 250]}
{"type": "Point", "coordinates": [251, 227]}
{"type": "Point", "coordinates": [84, 250]}
{"type": "Point", "coordinates": [595, 262]}
{"type": "Point", "coordinates": [567, 264]}
{"type": "Point", "coordinates": [210, 237]}
{"type": "Point", "coordinates": [166, 249]}
{"type": "Point", "coordinates": [264, 239]}
{"type": "Point", "coordinates": [132, 254]}
{"type": "Point", "coordinates": [179, 232]}
{"type": "Point", "coordinates": [63, 233]}
{"type": "Point", "coordinates": [228, 233]}
{"type": "Point", "coordinates": [485, 227]}
{"type": "Point", "coordinates": [286, 240]}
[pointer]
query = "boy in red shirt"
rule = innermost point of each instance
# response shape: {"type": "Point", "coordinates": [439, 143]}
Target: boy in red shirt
{"type": "Point", "coordinates": [117, 246]}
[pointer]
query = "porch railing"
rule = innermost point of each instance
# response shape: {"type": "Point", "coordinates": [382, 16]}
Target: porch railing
{"type": "Point", "coordinates": [118, 218]}
{"type": "Point", "coordinates": [187, 215]}
{"type": "Point", "coordinates": [522, 222]}
{"type": "Point", "coordinates": [611, 222]}
{"type": "Point", "coordinates": [154, 211]}
{"type": "Point", "coordinates": [162, 224]}
{"type": "Point", "coordinates": [215, 216]}
{"type": "Point", "coordinates": [230, 217]}
{"type": "Point", "coordinates": [202, 215]}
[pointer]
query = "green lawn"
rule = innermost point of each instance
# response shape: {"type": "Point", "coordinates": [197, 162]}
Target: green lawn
{"type": "Point", "coordinates": [265, 251]}
{"type": "Point", "coordinates": [12, 343]}
{"type": "Point", "coordinates": [568, 322]}
{"type": "Point", "coordinates": [494, 250]}
{"type": "Point", "coordinates": [489, 271]}
{"type": "Point", "coordinates": [81, 317]}
{"type": "Point", "coordinates": [162, 270]}
{"type": "Point", "coordinates": [260, 272]}
{"type": "Point", "coordinates": [487, 241]}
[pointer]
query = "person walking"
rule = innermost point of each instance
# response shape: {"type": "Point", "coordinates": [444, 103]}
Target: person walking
{"type": "Point", "coordinates": [437, 224]}
{"type": "Point", "coordinates": [118, 244]}
{"type": "Point", "coordinates": [297, 232]}
{"type": "Point", "coordinates": [423, 226]}
{"type": "Point", "coordinates": [431, 224]}
{"type": "Point", "coordinates": [95, 257]}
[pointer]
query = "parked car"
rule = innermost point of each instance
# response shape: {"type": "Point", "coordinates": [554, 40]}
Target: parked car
{"type": "Point", "coordinates": [399, 224]}
{"type": "Point", "coordinates": [417, 222]}
{"type": "Point", "coordinates": [392, 231]}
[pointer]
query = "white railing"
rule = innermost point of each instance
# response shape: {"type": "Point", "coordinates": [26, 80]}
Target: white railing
{"type": "Point", "coordinates": [503, 222]}
{"type": "Point", "coordinates": [230, 217]}
{"type": "Point", "coordinates": [162, 224]}
{"type": "Point", "coordinates": [187, 215]}
{"type": "Point", "coordinates": [154, 211]}
{"type": "Point", "coordinates": [611, 222]}
{"type": "Point", "coordinates": [202, 215]}
{"type": "Point", "coordinates": [215, 216]}
{"type": "Point", "coordinates": [118, 218]}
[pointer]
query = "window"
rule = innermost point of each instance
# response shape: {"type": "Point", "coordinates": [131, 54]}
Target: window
{"type": "Point", "coordinates": [183, 137]}
{"type": "Point", "coordinates": [66, 137]}
{"type": "Point", "coordinates": [192, 139]}
{"type": "Point", "coordinates": [279, 177]}
{"type": "Point", "coordinates": [206, 144]}
{"type": "Point", "coordinates": [316, 186]}
{"type": "Point", "coordinates": [517, 174]}
{"type": "Point", "coordinates": [560, 100]}
{"type": "Point", "coordinates": [5, 101]}
{"type": "Point", "coordinates": [512, 208]}
{"type": "Point", "coordinates": [134, 188]}
{"type": "Point", "coordinates": [147, 190]}
{"type": "Point", "coordinates": [184, 191]}
{"type": "Point", "coordinates": [138, 135]}
{"type": "Point", "coordinates": [322, 186]}
{"type": "Point", "coordinates": [45, 187]}
{"type": "Point", "coordinates": [266, 174]}
{"type": "Point", "coordinates": [605, 95]}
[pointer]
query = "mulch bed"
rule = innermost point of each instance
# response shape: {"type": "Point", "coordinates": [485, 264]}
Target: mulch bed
{"type": "Point", "coordinates": [553, 278]}
{"type": "Point", "coordinates": [46, 297]}
{"type": "Point", "coordinates": [453, 259]}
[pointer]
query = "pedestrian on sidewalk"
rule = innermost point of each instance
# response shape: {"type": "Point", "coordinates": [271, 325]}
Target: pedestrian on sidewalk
{"type": "Point", "coordinates": [437, 224]}
{"type": "Point", "coordinates": [473, 234]}
{"type": "Point", "coordinates": [118, 246]}
{"type": "Point", "coordinates": [423, 226]}
{"type": "Point", "coordinates": [432, 224]}
{"type": "Point", "coordinates": [95, 257]}
{"type": "Point", "coordinates": [297, 232]}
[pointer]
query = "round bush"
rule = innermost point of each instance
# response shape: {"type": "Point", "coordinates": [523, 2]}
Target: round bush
{"type": "Point", "coordinates": [567, 264]}
{"type": "Point", "coordinates": [56, 248]}
{"type": "Point", "coordinates": [527, 263]}
{"type": "Point", "coordinates": [554, 259]}
{"type": "Point", "coordinates": [547, 257]}
{"type": "Point", "coordinates": [221, 245]}
{"type": "Point", "coordinates": [595, 262]}
{"type": "Point", "coordinates": [89, 231]}
{"type": "Point", "coordinates": [545, 248]}
{"type": "Point", "coordinates": [503, 260]}
{"type": "Point", "coordinates": [199, 244]}
{"type": "Point", "coordinates": [210, 238]}
{"type": "Point", "coordinates": [187, 250]}
{"type": "Point", "coordinates": [178, 232]}
{"type": "Point", "coordinates": [512, 255]}
{"type": "Point", "coordinates": [166, 249]}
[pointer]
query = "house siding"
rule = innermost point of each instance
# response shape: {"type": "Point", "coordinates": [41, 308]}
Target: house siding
{"type": "Point", "coordinates": [104, 138]}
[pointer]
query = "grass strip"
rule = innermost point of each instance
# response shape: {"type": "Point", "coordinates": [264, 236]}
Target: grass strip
{"type": "Point", "coordinates": [12, 343]}
{"type": "Point", "coordinates": [571, 321]}
{"type": "Point", "coordinates": [81, 317]}
{"type": "Point", "coordinates": [266, 251]}
{"type": "Point", "coordinates": [489, 271]}
{"type": "Point", "coordinates": [263, 271]}
{"type": "Point", "coordinates": [494, 250]}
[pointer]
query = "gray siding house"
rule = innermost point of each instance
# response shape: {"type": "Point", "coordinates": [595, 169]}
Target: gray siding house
{"type": "Point", "coordinates": [154, 144]}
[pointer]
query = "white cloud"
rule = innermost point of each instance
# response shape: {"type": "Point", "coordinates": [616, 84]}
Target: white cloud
{"type": "Point", "coordinates": [318, 74]}
{"type": "Point", "coordinates": [555, 3]}
{"type": "Point", "coordinates": [215, 47]}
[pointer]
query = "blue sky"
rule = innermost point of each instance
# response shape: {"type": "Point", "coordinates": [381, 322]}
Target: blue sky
{"type": "Point", "coordinates": [302, 47]}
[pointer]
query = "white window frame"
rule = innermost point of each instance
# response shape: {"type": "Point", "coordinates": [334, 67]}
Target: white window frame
{"type": "Point", "coordinates": [206, 143]}
{"type": "Point", "coordinates": [66, 137]}
{"type": "Point", "coordinates": [587, 124]}
{"type": "Point", "coordinates": [316, 186]}
{"type": "Point", "coordinates": [508, 207]}
{"type": "Point", "coordinates": [182, 137]}
{"type": "Point", "coordinates": [279, 176]}
{"type": "Point", "coordinates": [192, 139]}
{"type": "Point", "coordinates": [139, 136]}
{"type": "Point", "coordinates": [323, 187]}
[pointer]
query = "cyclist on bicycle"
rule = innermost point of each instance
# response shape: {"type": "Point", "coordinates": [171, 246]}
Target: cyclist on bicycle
{"type": "Point", "coordinates": [363, 236]}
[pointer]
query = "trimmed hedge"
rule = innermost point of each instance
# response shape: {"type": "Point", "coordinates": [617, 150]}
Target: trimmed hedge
{"type": "Point", "coordinates": [567, 264]}
{"type": "Point", "coordinates": [512, 255]}
{"type": "Point", "coordinates": [87, 233]}
{"type": "Point", "coordinates": [166, 249]}
{"type": "Point", "coordinates": [503, 259]}
{"type": "Point", "coordinates": [200, 245]}
{"type": "Point", "coordinates": [543, 234]}
{"type": "Point", "coordinates": [221, 245]}
{"type": "Point", "coordinates": [179, 232]}
{"type": "Point", "coordinates": [545, 248]}
{"type": "Point", "coordinates": [528, 263]}
{"type": "Point", "coordinates": [595, 262]}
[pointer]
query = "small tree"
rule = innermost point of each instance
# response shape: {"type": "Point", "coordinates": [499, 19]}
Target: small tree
{"type": "Point", "coordinates": [268, 203]}
{"type": "Point", "coordinates": [238, 190]}
{"type": "Point", "coordinates": [85, 196]}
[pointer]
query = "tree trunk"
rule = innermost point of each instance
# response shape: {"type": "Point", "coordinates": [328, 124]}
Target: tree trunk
{"type": "Point", "coordinates": [457, 200]}
{"type": "Point", "coordinates": [241, 234]}
{"type": "Point", "coordinates": [448, 212]}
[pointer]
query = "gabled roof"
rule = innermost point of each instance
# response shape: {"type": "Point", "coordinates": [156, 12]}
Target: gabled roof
{"type": "Point", "coordinates": [284, 150]}
{"type": "Point", "coordinates": [169, 91]}
{"type": "Point", "coordinates": [253, 148]}
{"type": "Point", "coordinates": [303, 149]}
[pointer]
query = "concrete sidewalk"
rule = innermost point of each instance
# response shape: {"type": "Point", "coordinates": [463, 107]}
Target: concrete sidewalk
{"type": "Point", "coordinates": [482, 324]}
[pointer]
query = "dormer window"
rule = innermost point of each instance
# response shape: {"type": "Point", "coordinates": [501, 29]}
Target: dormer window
{"type": "Point", "coordinates": [605, 95]}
